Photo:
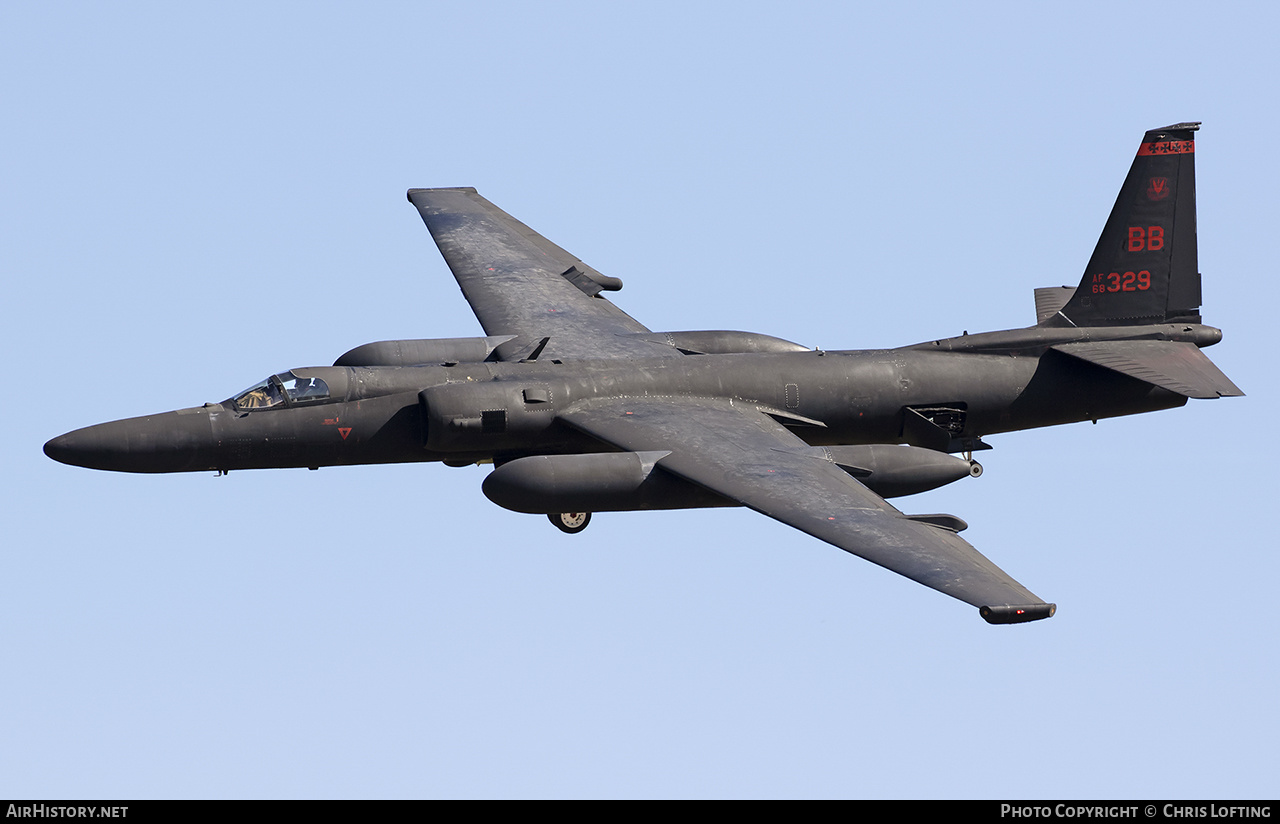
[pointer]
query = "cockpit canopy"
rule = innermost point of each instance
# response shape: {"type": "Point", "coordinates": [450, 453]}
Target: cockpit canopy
{"type": "Point", "coordinates": [287, 388]}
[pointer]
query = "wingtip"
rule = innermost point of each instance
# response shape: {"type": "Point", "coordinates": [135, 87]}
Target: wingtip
{"type": "Point", "coordinates": [1010, 614]}
{"type": "Point", "coordinates": [467, 189]}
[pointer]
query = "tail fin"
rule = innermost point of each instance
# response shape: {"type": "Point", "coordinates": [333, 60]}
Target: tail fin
{"type": "Point", "coordinates": [1144, 269]}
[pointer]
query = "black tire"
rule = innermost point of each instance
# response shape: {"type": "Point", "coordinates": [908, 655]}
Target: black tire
{"type": "Point", "coordinates": [570, 522]}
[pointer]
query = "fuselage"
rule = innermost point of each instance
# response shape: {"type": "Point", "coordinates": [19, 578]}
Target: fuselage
{"type": "Point", "coordinates": [948, 392]}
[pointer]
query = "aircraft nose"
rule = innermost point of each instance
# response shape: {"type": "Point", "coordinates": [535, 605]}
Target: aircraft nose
{"type": "Point", "coordinates": [63, 449]}
{"type": "Point", "coordinates": [170, 442]}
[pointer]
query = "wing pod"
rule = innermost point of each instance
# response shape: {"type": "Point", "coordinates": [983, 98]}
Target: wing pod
{"type": "Point", "coordinates": [893, 471]}
{"type": "Point", "coordinates": [633, 481]}
{"type": "Point", "coordinates": [424, 352]}
{"type": "Point", "coordinates": [604, 482]}
{"type": "Point", "coordinates": [720, 342]}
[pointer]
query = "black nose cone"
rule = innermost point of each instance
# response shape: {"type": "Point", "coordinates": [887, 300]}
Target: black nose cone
{"type": "Point", "coordinates": [63, 449]}
{"type": "Point", "coordinates": [105, 446]}
{"type": "Point", "coordinates": [171, 442]}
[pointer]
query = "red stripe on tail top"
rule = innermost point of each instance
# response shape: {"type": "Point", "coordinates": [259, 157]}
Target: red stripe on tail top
{"type": "Point", "coordinates": [1167, 147]}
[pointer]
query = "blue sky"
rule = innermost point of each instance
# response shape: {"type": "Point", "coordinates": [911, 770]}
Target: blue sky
{"type": "Point", "coordinates": [199, 195]}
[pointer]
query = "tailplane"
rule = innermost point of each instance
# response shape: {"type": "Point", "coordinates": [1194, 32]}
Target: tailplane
{"type": "Point", "coordinates": [1144, 269]}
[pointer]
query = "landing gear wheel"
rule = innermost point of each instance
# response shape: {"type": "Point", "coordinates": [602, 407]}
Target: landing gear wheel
{"type": "Point", "coordinates": [571, 522]}
{"type": "Point", "coordinates": [975, 469]}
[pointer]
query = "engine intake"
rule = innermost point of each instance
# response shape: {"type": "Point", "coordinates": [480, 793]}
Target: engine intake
{"type": "Point", "coordinates": [464, 417]}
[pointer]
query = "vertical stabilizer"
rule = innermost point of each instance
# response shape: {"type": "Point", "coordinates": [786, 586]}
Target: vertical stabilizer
{"type": "Point", "coordinates": [1145, 269]}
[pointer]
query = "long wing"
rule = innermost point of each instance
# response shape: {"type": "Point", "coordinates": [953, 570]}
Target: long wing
{"type": "Point", "coordinates": [736, 450]}
{"type": "Point", "coordinates": [519, 283]}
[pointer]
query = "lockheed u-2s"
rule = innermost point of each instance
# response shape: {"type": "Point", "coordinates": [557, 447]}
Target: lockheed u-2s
{"type": "Point", "coordinates": [581, 408]}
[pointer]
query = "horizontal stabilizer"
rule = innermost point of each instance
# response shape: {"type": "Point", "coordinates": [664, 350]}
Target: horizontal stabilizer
{"type": "Point", "coordinates": [1177, 366]}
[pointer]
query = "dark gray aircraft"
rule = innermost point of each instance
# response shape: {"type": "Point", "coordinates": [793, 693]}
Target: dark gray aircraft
{"type": "Point", "coordinates": [581, 409]}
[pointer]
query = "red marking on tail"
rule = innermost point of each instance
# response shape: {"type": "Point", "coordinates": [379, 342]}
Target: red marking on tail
{"type": "Point", "coordinates": [1167, 147]}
